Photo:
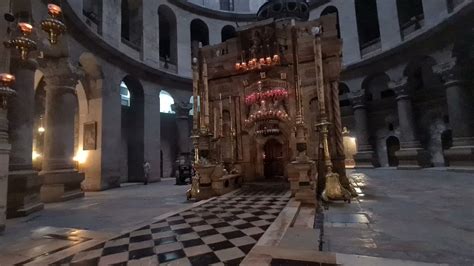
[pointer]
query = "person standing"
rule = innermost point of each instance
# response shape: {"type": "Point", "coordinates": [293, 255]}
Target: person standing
{"type": "Point", "coordinates": [146, 170]}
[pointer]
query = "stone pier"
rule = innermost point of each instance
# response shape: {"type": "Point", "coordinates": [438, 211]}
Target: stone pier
{"type": "Point", "coordinates": [61, 180]}
{"type": "Point", "coordinates": [23, 183]}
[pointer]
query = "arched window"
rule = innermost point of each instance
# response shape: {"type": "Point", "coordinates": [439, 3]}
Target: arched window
{"type": "Point", "coordinates": [166, 100]}
{"type": "Point", "coordinates": [132, 27]}
{"type": "Point", "coordinates": [92, 10]}
{"type": "Point", "coordinates": [332, 10]}
{"type": "Point", "coordinates": [168, 35]}
{"type": "Point", "coordinates": [124, 95]}
{"type": "Point", "coordinates": [368, 25]}
{"type": "Point", "coordinates": [410, 15]}
{"type": "Point", "coordinates": [228, 32]}
{"type": "Point", "coordinates": [199, 34]}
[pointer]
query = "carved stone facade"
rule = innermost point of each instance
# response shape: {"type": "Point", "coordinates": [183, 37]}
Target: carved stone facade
{"type": "Point", "coordinates": [262, 96]}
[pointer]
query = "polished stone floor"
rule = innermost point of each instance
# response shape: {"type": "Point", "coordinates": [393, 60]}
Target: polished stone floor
{"type": "Point", "coordinates": [421, 215]}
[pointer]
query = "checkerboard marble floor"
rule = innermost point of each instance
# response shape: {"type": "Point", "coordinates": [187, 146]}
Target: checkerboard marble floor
{"type": "Point", "coordinates": [219, 232]}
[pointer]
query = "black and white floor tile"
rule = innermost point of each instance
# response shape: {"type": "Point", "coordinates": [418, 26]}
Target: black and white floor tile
{"type": "Point", "coordinates": [219, 232]}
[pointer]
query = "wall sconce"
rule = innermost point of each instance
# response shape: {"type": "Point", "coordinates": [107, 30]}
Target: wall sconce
{"type": "Point", "coordinates": [53, 26]}
{"type": "Point", "coordinates": [6, 82]}
{"type": "Point", "coordinates": [22, 43]}
{"type": "Point", "coordinates": [41, 126]}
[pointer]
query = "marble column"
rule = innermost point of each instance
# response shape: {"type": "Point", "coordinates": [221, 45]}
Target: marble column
{"type": "Point", "coordinates": [60, 180]}
{"type": "Point", "coordinates": [182, 123]}
{"type": "Point", "coordinates": [23, 183]}
{"type": "Point", "coordinates": [411, 154]}
{"type": "Point", "coordinates": [460, 100]}
{"type": "Point", "coordinates": [365, 156]}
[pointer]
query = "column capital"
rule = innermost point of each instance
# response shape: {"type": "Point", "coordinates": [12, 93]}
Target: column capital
{"type": "Point", "coordinates": [450, 72]}
{"type": "Point", "coordinates": [182, 109]}
{"type": "Point", "coordinates": [358, 99]}
{"type": "Point", "coordinates": [401, 88]}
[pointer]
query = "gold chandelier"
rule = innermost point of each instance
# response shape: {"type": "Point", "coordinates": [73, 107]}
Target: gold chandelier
{"type": "Point", "coordinates": [23, 44]}
{"type": "Point", "coordinates": [53, 26]}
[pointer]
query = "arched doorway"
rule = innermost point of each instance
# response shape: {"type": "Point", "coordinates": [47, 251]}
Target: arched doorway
{"type": "Point", "coordinates": [273, 159]}
{"type": "Point", "coordinates": [446, 142]}
{"type": "Point", "coordinates": [132, 100]}
{"type": "Point", "coordinates": [199, 34]}
{"type": "Point", "coordinates": [393, 145]}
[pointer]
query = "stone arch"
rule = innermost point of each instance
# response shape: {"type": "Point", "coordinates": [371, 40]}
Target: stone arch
{"type": "Point", "coordinates": [199, 34]}
{"type": "Point", "coordinates": [419, 73]}
{"type": "Point", "coordinates": [168, 34]}
{"type": "Point", "coordinates": [374, 85]}
{"type": "Point", "coordinates": [39, 121]}
{"type": "Point", "coordinates": [132, 23]}
{"type": "Point", "coordinates": [133, 130]}
{"type": "Point", "coordinates": [228, 32]}
{"type": "Point", "coordinates": [344, 95]}
{"type": "Point", "coordinates": [166, 101]}
{"type": "Point", "coordinates": [392, 145]}
{"type": "Point", "coordinates": [332, 10]}
{"type": "Point", "coordinates": [367, 25]}
{"type": "Point", "coordinates": [410, 15]}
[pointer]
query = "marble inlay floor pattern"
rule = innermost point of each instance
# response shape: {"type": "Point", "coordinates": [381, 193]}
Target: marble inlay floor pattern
{"type": "Point", "coordinates": [221, 231]}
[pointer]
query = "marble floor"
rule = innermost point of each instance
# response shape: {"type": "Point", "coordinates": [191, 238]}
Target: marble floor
{"type": "Point", "coordinates": [420, 215]}
{"type": "Point", "coordinates": [218, 231]}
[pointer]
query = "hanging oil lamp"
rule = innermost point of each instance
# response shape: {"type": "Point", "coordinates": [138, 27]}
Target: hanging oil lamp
{"type": "Point", "coordinates": [52, 25]}
{"type": "Point", "coordinates": [23, 44]}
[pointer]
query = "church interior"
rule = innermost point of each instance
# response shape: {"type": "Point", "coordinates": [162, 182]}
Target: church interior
{"type": "Point", "coordinates": [236, 132]}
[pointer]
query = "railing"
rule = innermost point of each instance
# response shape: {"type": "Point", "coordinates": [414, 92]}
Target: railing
{"type": "Point", "coordinates": [415, 23]}
{"type": "Point", "coordinates": [370, 46]}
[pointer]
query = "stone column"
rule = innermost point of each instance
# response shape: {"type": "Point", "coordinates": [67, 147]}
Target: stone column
{"type": "Point", "coordinates": [411, 155]}
{"type": "Point", "coordinates": [365, 156]}
{"type": "Point", "coordinates": [4, 158]}
{"type": "Point", "coordinates": [61, 180]}
{"type": "Point", "coordinates": [460, 100]}
{"type": "Point", "coordinates": [23, 182]}
{"type": "Point", "coordinates": [182, 123]}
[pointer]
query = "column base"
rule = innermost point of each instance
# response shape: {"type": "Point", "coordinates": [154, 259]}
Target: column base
{"type": "Point", "coordinates": [303, 187]}
{"type": "Point", "coordinates": [61, 185]}
{"type": "Point", "coordinates": [460, 158]}
{"type": "Point", "coordinates": [412, 158]}
{"type": "Point", "coordinates": [23, 193]}
{"type": "Point", "coordinates": [205, 192]}
{"type": "Point", "coordinates": [365, 159]}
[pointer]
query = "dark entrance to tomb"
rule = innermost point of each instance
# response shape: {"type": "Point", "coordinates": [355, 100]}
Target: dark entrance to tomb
{"type": "Point", "coordinates": [393, 145]}
{"type": "Point", "coordinates": [273, 160]}
{"type": "Point", "coordinates": [446, 142]}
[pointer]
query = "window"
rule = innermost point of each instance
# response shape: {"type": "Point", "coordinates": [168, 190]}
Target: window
{"type": "Point", "coordinates": [166, 100]}
{"type": "Point", "coordinates": [368, 25]}
{"type": "Point", "coordinates": [124, 95]}
{"type": "Point", "coordinates": [92, 9]}
{"type": "Point", "coordinates": [410, 15]}
{"type": "Point", "coordinates": [131, 14]}
{"type": "Point", "coordinates": [227, 5]}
